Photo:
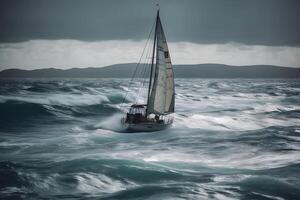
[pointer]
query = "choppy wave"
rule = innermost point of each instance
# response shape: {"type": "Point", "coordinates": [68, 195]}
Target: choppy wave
{"type": "Point", "coordinates": [231, 139]}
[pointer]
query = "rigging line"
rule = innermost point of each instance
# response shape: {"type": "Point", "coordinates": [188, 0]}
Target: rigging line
{"type": "Point", "coordinates": [140, 81]}
{"type": "Point", "coordinates": [132, 78]}
{"type": "Point", "coordinates": [146, 63]}
{"type": "Point", "coordinates": [146, 71]}
{"type": "Point", "coordinates": [138, 94]}
{"type": "Point", "coordinates": [136, 68]}
{"type": "Point", "coordinates": [145, 68]}
{"type": "Point", "coordinates": [143, 86]}
{"type": "Point", "coordinates": [143, 75]}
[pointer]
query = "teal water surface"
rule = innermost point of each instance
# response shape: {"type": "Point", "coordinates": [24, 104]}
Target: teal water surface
{"type": "Point", "coordinates": [231, 139]}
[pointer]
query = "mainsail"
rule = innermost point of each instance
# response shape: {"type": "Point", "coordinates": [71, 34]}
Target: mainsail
{"type": "Point", "coordinates": [161, 99]}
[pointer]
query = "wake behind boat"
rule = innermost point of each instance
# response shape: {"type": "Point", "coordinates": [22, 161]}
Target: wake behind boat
{"type": "Point", "coordinates": [155, 115]}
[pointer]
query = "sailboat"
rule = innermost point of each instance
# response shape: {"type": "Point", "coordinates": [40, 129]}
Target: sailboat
{"type": "Point", "coordinates": [156, 114]}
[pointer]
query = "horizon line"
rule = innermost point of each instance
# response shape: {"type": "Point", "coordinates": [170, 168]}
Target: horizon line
{"type": "Point", "coordinates": [134, 63]}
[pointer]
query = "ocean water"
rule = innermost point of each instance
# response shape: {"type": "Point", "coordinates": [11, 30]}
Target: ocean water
{"type": "Point", "coordinates": [231, 139]}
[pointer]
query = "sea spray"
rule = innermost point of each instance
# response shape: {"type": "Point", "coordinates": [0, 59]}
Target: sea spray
{"type": "Point", "coordinates": [112, 123]}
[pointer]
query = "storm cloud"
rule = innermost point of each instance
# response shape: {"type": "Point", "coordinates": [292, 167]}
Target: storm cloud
{"type": "Point", "coordinates": [257, 22]}
{"type": "Point", "coordinates": [94, 33]}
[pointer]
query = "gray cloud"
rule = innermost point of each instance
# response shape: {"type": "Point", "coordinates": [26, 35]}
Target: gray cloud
{"type": "Point", "coordinates": [256, 22]}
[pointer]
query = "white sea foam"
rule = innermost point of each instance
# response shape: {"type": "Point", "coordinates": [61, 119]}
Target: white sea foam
{"type": "Point", "coordinates": [231, 178]}
{"type": "Point", "coordinates": [224, 123]}
{"type": "Point", "coordinates": [98, 183]}
{"type": "Point", "coordinates": [242, 160]}
{"type": "Point", "coordinates": [58, 99]}
{"type": "Point", "coordinates": [271, 107]}
{"type": "Point", "coordinates": [268, 196]}
{"type": "Point", "coordinates": [246, 120]}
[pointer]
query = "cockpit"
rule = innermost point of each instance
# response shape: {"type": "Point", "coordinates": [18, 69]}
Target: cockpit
{"type": "Point", "coordinates": [137, 109]}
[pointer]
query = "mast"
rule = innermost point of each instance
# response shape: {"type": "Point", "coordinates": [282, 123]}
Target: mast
{"type": "Point", "coordinates": [152, 61]}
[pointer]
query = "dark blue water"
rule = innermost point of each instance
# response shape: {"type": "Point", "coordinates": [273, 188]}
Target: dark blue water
{"type": "Point", "coordinates": [231, 139]}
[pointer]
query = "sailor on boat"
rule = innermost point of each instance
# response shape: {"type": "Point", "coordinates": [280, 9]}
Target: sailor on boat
{"type": "Point", "coordinates": [156, 113]}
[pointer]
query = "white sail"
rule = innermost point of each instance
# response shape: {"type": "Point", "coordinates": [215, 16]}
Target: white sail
{"type": "Point", "coordinates": [163, 93]}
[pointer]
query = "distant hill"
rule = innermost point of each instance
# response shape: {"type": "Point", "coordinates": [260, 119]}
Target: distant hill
{"type": "Point", "coordinates": [181, 71]}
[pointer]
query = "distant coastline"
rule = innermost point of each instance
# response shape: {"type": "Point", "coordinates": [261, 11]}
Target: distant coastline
{"type": "Point", "coordinates": [181, 71]}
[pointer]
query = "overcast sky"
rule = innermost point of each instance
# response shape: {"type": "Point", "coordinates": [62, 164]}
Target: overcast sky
{"type": "Point", "coordinates": [82, 33]}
